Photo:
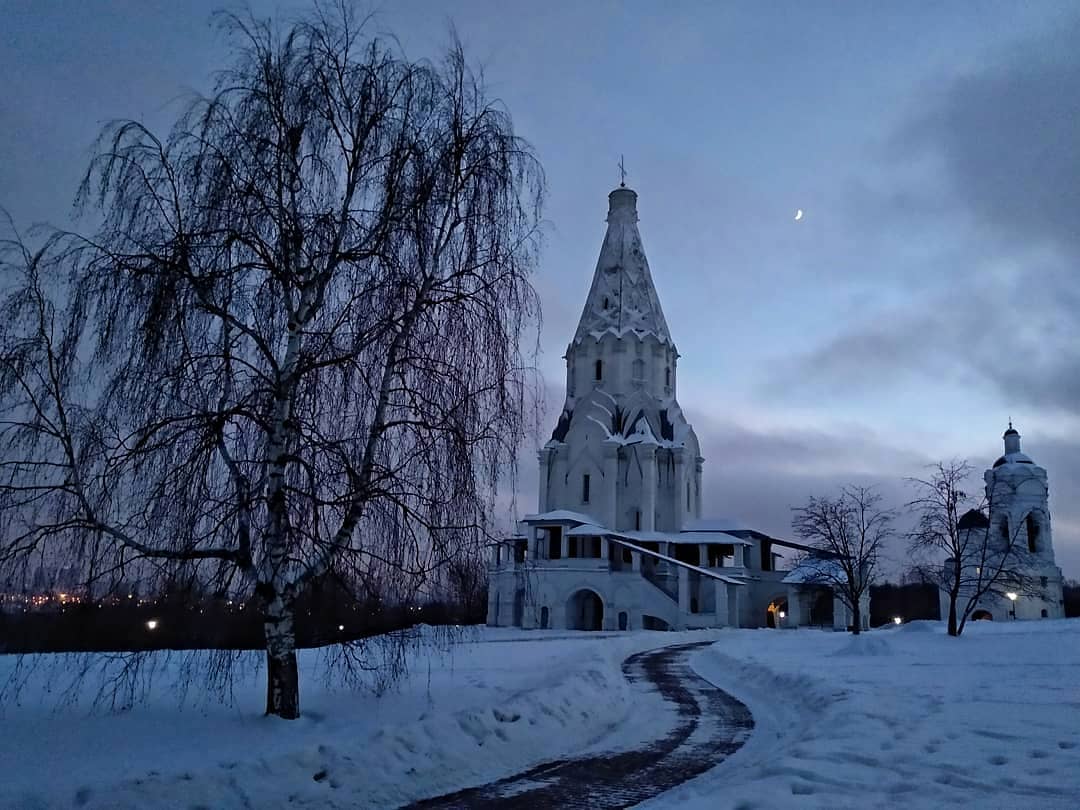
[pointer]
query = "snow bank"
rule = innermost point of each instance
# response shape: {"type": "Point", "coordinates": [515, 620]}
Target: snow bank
{"type": "Point", "coordinates": [899, 717]}
{"type": "Point", "coordinates": [481, 710]}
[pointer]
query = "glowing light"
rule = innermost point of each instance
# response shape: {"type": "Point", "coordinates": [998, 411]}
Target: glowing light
{"type": "Point", "coordinates": [1011, 595]}
{"type": "Point", "coordinates": [897, 620]}
{"type": "Point", "coordinates": [341, 627]}
{"type": "Point", "coordinates": [152, 624]}
{"type": "Point", "coordinates": [783, 614]}
{"type": "Point", "coordinates": [798, 214]}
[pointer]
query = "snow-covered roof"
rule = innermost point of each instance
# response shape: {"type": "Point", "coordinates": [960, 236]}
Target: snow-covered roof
{"type": "Point", "coordinates": [1014, 458]}
{"type": "Point", "coordinates": [587, 530]}
{"type": "Point", "coordinates": [559, 515]}
{"type": "Point", "coordinates": [594, 530]}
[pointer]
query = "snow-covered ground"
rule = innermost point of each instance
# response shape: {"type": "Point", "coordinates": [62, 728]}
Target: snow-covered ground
{"type": "Point", "coordinates": [496, 703]}
{"type": "Point", "coordinates": [898, 717]}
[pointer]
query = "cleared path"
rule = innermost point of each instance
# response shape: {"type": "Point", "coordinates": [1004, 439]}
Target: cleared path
{"type": "Point", "coordinates": [711, 726]}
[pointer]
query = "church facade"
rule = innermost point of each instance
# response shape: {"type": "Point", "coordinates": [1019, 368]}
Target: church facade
{"type": "Point", "coordinates": [1014, 534]}
{"type": "Point", "coordinates": [619, 540]}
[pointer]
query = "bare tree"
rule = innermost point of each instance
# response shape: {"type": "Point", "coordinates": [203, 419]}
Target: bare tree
{"type": "Point", "coordinates": [958, 548]}
{"type": "Point", "coordinates": [850, 532]}
{"type": "Point", "coordinates": [293, 343]}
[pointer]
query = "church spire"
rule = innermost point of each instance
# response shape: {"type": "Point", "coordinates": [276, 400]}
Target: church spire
{"type": "Point", "coordinates": [622, 298]}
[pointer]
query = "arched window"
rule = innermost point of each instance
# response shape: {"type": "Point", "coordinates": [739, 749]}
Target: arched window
{"type": "Point", "coordinates": [1045, 614]}
{"type": "Point", "coordinates": [599, 369]}
{"type": "Point", "coordinates": [1032, 532]}
{"type": "Point", "coordinates": [585, 488]}
{"type": "Point", "coordinates": [605, 302]}
{"type": "Point", "coordinates": [639, 369]}
{"type": "Point", "coordinates": [667, 376]}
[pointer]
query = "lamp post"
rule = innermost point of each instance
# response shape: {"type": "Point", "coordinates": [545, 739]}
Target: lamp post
{"type": "Point", "coordinates": [1011, 595]}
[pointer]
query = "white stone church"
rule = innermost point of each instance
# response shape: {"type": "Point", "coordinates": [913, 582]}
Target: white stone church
{"type": "Point", "coordinates": [619, 541]}
{"type": "Point", "coordinates": [1016, 529]}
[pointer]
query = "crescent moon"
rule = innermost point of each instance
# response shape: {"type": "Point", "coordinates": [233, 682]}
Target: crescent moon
{"type": "Point", "coordinates": [798, 214]}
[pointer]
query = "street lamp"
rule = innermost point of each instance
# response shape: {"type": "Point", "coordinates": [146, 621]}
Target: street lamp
{"type": "Point", "coordinates": [152, 624]}
{"type": "Point", "coordinates": [1011, 595]}
{"type": "Point", "coordinates": [897, 620]}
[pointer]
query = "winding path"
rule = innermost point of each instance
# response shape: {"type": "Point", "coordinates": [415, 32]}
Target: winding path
{"type": "Point", "coordinates": [711, 725]}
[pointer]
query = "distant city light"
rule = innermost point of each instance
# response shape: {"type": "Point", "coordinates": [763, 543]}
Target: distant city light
{"type": "Point", "coordinates": [151, 624]}
{"type": "Point", "coordinates": [341, 627]}
{"type": "Point", "coordinates": [897, 620]}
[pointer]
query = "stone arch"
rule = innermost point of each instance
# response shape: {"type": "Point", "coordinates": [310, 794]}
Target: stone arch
{"type": "Point", "coordinates": [585, 610]}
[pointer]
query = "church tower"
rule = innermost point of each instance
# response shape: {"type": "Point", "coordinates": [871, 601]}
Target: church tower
{"type": "Point", "coordinates": [622, 452]}
{"type": "Point", "coordinates": [1018, 495]}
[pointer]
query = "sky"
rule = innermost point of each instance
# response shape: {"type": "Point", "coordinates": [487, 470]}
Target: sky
{"type": "Point", "coordinates": [929, 293]}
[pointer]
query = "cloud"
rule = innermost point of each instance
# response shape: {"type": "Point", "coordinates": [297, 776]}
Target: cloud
{"type": "Point", "coordinates": [1006, 135]}
{"type": "Point", "coordinates": [758, 476]}
{"type": "Point", "coordinates": [992, 297]}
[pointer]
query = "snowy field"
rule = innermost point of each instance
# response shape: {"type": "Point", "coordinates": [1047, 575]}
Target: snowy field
{"type": "Point", "coordinates": [898, 717]}
{"type": "Point", "coordinates": [496, 703]}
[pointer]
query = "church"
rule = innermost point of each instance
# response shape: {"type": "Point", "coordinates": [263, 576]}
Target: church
{"type": "Point", "coordinates": [619, 540]}
{"type": "Point", "coordinates": [1015, 533]}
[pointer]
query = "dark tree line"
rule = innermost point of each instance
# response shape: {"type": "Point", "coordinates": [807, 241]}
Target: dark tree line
{"type": "Point", "coordinates": [291, 346]}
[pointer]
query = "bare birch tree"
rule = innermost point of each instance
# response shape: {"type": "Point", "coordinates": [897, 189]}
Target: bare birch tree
{"type": "Point", "coordinates": [293, 343]}
{"type": "Point", "coordinates": [850, 532]}
{"type": "Point", "coordinates": [958, 548]}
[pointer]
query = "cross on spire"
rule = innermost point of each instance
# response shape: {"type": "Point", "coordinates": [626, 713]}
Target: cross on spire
{"type": "Point", "coordinates": [622, 173]}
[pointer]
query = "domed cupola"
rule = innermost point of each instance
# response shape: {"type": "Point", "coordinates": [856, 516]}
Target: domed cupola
{"type": "Point", "coordinates": [1013, 455]}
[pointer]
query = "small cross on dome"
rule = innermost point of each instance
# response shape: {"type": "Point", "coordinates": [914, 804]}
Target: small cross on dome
{"type": "Point", "coordinates": [622, 172]}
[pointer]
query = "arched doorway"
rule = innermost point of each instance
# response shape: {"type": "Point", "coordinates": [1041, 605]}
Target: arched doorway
{"type": "Point", "coordinates": [776, 612]}
{"type": "Point", "coordinates": [982, 616]}
{"type": "Point", "coordinates": [585, 611]}
{"type": "Point", "coordinates": [545, 618]}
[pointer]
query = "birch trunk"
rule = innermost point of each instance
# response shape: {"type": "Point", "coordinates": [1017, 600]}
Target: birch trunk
{"type": "Point", "coordinates": [282, 678]}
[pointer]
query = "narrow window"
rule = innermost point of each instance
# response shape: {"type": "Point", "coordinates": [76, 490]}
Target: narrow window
{"type": "Point", "coordinates": [1043, 581]}
{"type": "Point", "coordinates": [605, 302]}
{"type": "Point", "coordinates": [639, 369]}
{"type": "Point", "coordinates": [687, 496]}
{"type": "Point", "coordinates": [1032, 533]}
{"type": "Point", "coordinates": [599, 369]}
{"type": "Point", "coordinates": [667, 376]}
{"type": "Point", "coordinates": [1045, 615]}
{"type": "Point", "coordinates": [585, 488]}
{"type": "Point", "coordinates": [637, 520]}
{"type": "Point", "coordinates": [627, 555]}
{"type": "Point", "coordinates": [572, 552]}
